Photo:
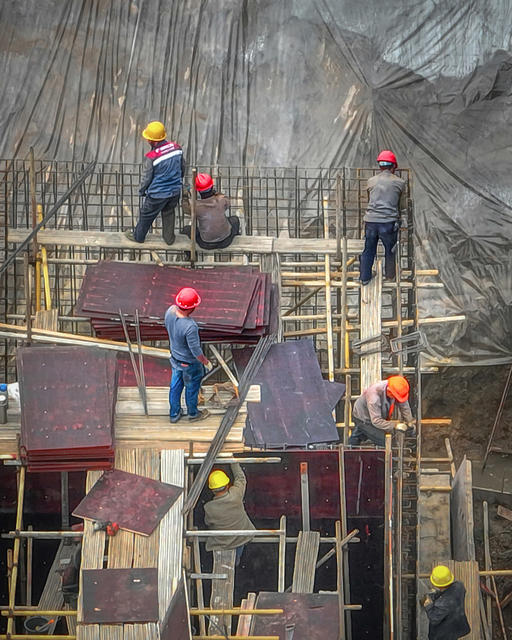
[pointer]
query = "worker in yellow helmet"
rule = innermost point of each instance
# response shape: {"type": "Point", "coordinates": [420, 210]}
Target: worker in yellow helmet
{"type": "Point", "coordinates": [161, 184]}
{"type": "Point", "coordinates": [445, 607]}
{"type": "Point", "coordinates": [226, 511]}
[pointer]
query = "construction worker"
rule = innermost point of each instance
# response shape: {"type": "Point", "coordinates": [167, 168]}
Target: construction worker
{"type": "Point", "coordinates": [215, 230]}
{"type": "Point", "coordinates": [226, 511]}
{"type": "Point", "coordinates": [386, 199]}
{"type": "Point", "coordinates": [161, 184]}
{"type": "Point", "coordinates": [374, 408]}
{"type": "Point", "coordinates": [188, 361]}
{"type": "Point", "coordinates": [445, 607]}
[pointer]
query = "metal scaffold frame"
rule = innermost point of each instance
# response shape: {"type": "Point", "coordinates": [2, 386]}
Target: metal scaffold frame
{"type": "Point", "coordinates": [304, 226]}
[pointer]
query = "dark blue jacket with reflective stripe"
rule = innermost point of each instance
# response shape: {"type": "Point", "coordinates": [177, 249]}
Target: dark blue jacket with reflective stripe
{"type": "Point", "coordinates": [446, 614]}
{"type": "Point", "coordinates": [163, 171]}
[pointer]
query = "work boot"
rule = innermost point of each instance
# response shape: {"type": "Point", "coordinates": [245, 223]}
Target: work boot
{"type": "Point", "coordinates": [174, 419]}
{"type": "Point", "coordinates": [130, 236]}
{"type": "Point", "coordinates": [199, 416]}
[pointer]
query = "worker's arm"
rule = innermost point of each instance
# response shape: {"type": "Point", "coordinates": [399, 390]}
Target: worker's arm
{"type": "Point", "coordinates": [239, 480]}
{"type": "Point", "coordinates": [439, 609]}
{"type": "Point", "coordinates": [405, 411]}
{"type": "Point", "coordinates": [375, 410]}
{"type": "Point", "coordinates": [147, 176]}
{"type": "Point", "coordinates": [194, 344]}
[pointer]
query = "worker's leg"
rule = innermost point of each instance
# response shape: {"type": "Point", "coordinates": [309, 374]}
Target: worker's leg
{"type": "Point", "coordinates": [151, 207]}
{"type": "Point", "coordinates": [239, 551]}
{"type": "Point", "coordinates": [175, 390]}
{"type": "Point", "coordinates": [168, 216]}
{"type": "Point", "coordinates": [192, 377]}
{"type": "Point", "coordinates": [388, 233]}
{"type": "Point", "coordinates": [366, 431]}
{"type": "Point", "coordinates": [371, 237]}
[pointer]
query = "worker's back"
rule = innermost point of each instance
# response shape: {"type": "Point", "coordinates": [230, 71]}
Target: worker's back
{"type": "Point", "coordinates": [227, 512]}
{"type": "Point", "coordinates": [385, 190]}
{"type": "Point", "coordinates": [211, 218]}
{"type": "Point", "coordinates": [167, 159]}
{"type": "Point", "coordinates": [447, 618]}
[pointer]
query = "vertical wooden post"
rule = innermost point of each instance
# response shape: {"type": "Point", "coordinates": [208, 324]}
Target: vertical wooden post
{"type": "Point", "coordinates": [304, 494]}
{"type": "Point", "coordinates": [328, 307]}
{"type": "Point", "coordinates": [388, 541]}
{"type": "Point", "coordinates": [193, 219]}
{"type": "Point", "coordinates": [199, 584]}
{"type": "Point", "coordinates": [28, 297]}
{"type": "Point", "coordinates": [343, 518]}
{"type": "Point", "coordinates": [30, 543]}
{"type": "Point", "coordinates": [16, 552]}
{"type": "Point", "coordinates": [487, 559]}
{"type": "Point", "coordinates": [348, 408]}
{"type": "Point", "coordinates": [339, 583]}
{"type": "Point", "coordinates": [282, 555]}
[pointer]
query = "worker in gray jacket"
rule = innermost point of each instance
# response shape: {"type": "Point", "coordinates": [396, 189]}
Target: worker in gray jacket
{"type": "Point", "coordinates": [386, 199]}
{"type": "Point", "coordinates": [445, 607]}
{"type": "Point", "coordinates": [226, 511]}
{"type": "Point", "coordinates": [374, 408]}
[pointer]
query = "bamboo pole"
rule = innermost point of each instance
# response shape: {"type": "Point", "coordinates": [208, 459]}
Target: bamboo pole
{"type": "Point", "coordinates": [40, 612]}
{"type": "Point", "coordinates": [487, 560]}
{"type": "Point", "coordinates": [281, 567]}
{"type": "Point", "coordinates": [16, 553]}
{"type": "Point", "coordinates": [193, 216]}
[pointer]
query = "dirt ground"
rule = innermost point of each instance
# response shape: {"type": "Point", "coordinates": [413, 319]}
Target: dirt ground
{"type": "Point", "coordinates": [470, 396]}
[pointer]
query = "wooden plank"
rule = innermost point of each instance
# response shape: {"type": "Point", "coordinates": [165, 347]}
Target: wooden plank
{"type": "Point", "coordinates": [244, 622]}
{"type": "Point", "coordinates": [47, 320]}
{"type": "Point", "coordinates": [371, 309]}
{"type": "Point", "coordinates": [172, 470]}
{"type": "Point", "coordinates": [145, 548]}
{"type": "Point", "coordinates": [240, 244]}
{"type": "Point", "coordinates": [305, 562]}
{"type": "Point", "coordinates": [120, 547]}
{"type": "Point", "coordinates": [93, 550]}
{"type": "Point", "coordinates": [51, 598]}
{"type": "Point", "coordinates": [504, 512]}
{"type": "Point", "coordinates": [462, 513]}
{"type": "Point", "coordinates": [222, 590]}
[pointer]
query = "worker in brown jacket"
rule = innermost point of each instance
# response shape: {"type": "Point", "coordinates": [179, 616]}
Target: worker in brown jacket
{"type": "Point", "coordinates": [374, 408]}
{"type": "Point", "coordinates": [227, 512]}
{"type": "Point", "coordinates": [215, 230]}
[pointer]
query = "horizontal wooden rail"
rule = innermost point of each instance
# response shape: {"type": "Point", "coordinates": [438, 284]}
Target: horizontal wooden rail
{"type": "Point", "coordinates": [235, 611]}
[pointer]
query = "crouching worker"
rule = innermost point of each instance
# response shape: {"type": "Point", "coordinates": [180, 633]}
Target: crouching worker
{"type": "Point", "coordinates": [215, 230]}
{"type": "Point", "coordinates": [226, 512]}
{"type": "Point", "coordinates": [374, 408]}
{"type": "Point", "coordinates": [445, 607]}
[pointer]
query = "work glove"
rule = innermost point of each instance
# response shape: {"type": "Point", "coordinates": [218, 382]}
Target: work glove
{"type": "Point", "coordinates": [412, 427]}
{"type": "Point", "coordinates": [425, 600]}
{"type": "Point", "coordinates": [401, 426]}
{"type": "Point", "coordinates": [208, 366]}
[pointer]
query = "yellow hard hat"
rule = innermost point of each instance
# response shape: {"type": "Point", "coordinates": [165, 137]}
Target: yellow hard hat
{"type": "Point", "coordinates": [441, 576]}
{"type": "Point", "coordinates": [155, 131]}
{"type": "Point", "coordinates": [218, 479]}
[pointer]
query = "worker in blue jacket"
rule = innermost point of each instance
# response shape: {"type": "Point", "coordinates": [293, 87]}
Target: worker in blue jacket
{"type": "Point", "coordinates": [445, 607]}
{"type": "Point", "coordinates": [161, 184]}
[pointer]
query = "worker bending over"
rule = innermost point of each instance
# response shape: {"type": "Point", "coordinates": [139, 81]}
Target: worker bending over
{"type": "Point", "coordinates": [386, 199]}
{"type": "Point", "coordinates": [161, 184]}
{"type": "Point", "coordinates": [215, 230]}
{"type": "Point", "coordinates": [374, 408]}
{"type": "Point", "coordinates": [188, 361]}
{"type": "Point", "coordinates": [226, 512]}
{"type": "Point", "coordinates": [445, 607]}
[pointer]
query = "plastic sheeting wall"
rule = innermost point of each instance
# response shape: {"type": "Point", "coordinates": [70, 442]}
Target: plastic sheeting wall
{"type": "Point", "coordinates": [290, 82]}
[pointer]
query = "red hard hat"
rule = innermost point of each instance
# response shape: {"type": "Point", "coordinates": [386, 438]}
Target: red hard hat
{"type": "Point", "coordinates": [398, 387]}
{"type": "Point", "coordinates": [188, 298]}
{"type": "Point", "coordinates": [387, 156]}
{"type": "Point", "coordinates": [204, 182]}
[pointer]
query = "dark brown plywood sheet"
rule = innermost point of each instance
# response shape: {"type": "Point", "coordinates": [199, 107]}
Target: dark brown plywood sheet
{"type": "Point", "coordinates": [314, 615]}
{"type": "Point", "coordinates": [135, 502]}
{"type": "Point", "coordinates": [113, 596]}
{"type": "Point", "coordinates": [176, 624]}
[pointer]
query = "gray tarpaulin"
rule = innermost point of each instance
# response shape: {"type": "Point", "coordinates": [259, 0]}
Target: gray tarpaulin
{"type": "Point", "coordinates": [283, 83]}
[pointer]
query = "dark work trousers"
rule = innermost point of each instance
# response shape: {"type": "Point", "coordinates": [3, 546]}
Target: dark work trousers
{"type": "Point", "coordinates": [150, 209]}
{"type": "Point", "coordinates": [221, 244]}
{"type": "Point", "coordinates": [366, 431]}
{"type": "Point", "coordinates": [387, 232]}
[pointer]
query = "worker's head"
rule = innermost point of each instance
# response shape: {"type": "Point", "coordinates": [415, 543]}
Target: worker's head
{"type": "Point", "coordinates": [187, 299]}
{"type": "Point", "coordinates": [218, 481]}
{"type": "Point", "coordinates": [154, 132]}
{"type": "Point", "coordinates": [398, 388]}
{"type": "Point", "coordinates": [204, 185]}
{"type": "Point", "coordinates": [441, 577]}
{"type": "Point", "coordinates": [387, 161]}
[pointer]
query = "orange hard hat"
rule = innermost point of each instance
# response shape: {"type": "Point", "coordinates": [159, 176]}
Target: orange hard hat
{"type": "Point", "coordinates": [188, 298]}
{"type": "Point", "coordinates": [398, 387]}
{"type": "Point", "coordinates": [204, 182]}
{"type": "Point", "coordinates": [387, 157]}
